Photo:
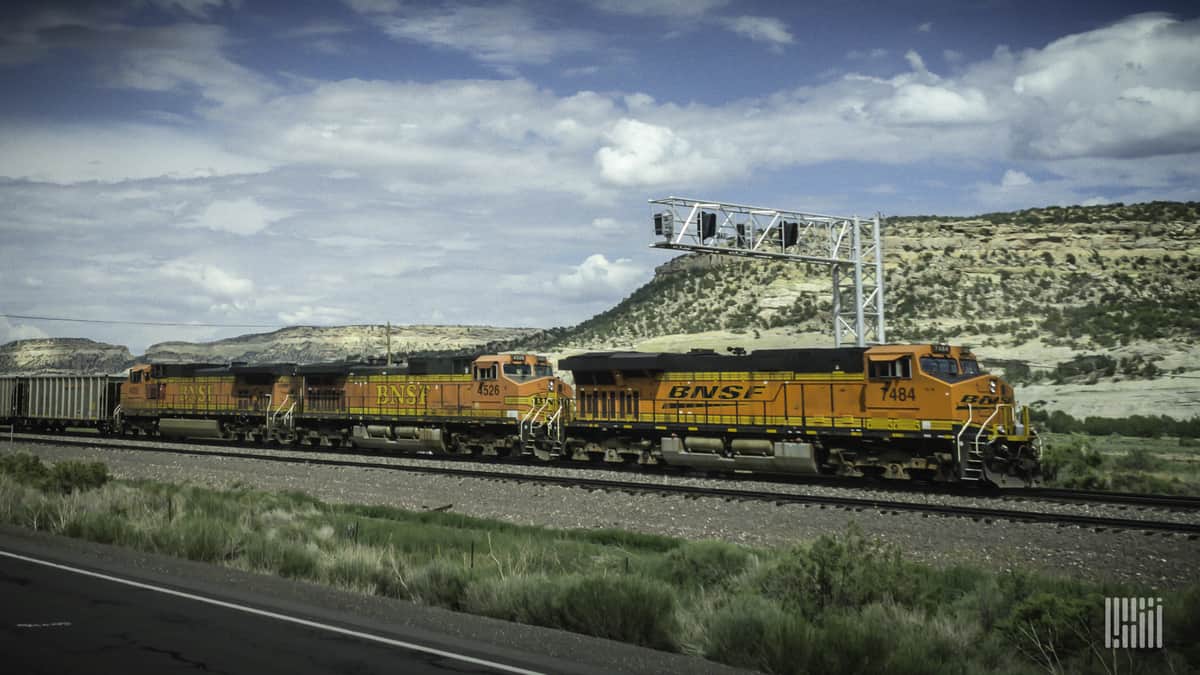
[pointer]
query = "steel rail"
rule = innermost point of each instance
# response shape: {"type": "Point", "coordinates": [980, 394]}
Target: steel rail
{"type": "Point", "coordinates": [1099, 523]}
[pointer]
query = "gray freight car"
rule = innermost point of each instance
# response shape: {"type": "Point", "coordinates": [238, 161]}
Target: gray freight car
{"type": "Point", "coordinates": [8, 399]}
{"type": "Point", "coordinates": [59, 401]}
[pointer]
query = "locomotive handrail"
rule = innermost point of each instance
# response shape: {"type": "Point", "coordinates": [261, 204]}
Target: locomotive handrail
{"type": "Point", "coordinates": [983, 427]}
{"type": "Point", "coordinates": [553, 422]}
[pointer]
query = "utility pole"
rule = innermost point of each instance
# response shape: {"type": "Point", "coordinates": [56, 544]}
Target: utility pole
{"type": "Point", "coordinates": [388, 340]}
{"type": "Point", "coordinates": [851, 247]}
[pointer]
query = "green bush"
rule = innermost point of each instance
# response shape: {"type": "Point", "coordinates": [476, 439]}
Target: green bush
{"type": "Point", "coordinates": [103, 528]}
{"type": "Point", "coordinates": [752, 632]}
{"type": "Point", "coordinates": [847, 571]}
{"type": "Point", "coordinates": [285, 558]}
{"type": "Point", "coordinates": [1052, 626]}
{"type": "Point", "coordinates": [627, 608]}
{"type": "Point", "coordinates": [703, 564]}
{"type": "Point", "coordinates": [198, 538]}
{"type": "Point", "coordinates": [67, 477]}
{"type": "Point", "coordinates": [440, 583]}
{"type": "Point", "coordinates": [63, 477]}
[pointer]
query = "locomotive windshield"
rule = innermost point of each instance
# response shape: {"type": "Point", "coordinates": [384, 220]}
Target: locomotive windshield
{"type": "Point", "coordinates": [517, 371]}
{"type": "Point", "coordinates": [947, 369]}
{"type": "Point", "coordinates": [940, 367]}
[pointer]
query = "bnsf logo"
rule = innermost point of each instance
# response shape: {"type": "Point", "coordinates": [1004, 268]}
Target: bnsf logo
{"type": "Point", "coordinates": [974, 400]}
{"type": "Point", "coordinates": [727, 392]}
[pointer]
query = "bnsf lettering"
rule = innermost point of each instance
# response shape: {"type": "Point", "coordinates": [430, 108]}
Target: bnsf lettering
{"type": "Point", "coordinates": [395, 394]}
{"type": "Point", "coordinates": [727, 392]}
{"type": "Point", "coordinates": [974, 400]}
{"type": "Point", "coordinates": [196, 393]}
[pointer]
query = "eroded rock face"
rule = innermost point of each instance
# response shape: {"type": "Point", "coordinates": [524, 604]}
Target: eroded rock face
{"type": "Point", "coordinates": [297, 344]}
{"type": "Point", "coordinates": [62, 356]}
{"type": "Point", "coordinates": [316, 344]}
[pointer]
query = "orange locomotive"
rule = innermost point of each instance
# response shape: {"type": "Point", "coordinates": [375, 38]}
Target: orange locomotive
{"type": "Point", "coordinates": [492, 405]}
{"type": "Point", "coordinates": [895, 411]}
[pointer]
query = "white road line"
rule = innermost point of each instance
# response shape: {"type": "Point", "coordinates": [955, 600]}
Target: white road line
{"type": "Point", "coordinates": [280, 617]}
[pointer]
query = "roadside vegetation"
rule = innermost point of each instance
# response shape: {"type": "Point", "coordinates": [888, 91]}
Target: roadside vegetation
{"type": "Point", "coordinates": [841, 604]}
{"type": "Point", "coordinates": [1168, 466]}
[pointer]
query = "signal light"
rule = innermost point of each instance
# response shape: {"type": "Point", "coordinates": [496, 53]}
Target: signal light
{"type": "Point", "coordinates": [708, 225]}
{"type": "Point", "coordinates": [663, 224]}
{"type": "Point", "coordinates": [791, 234]}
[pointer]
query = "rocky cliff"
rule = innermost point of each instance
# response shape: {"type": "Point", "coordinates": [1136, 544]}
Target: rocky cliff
{"type": "Point", "coordinates": [62, 356]}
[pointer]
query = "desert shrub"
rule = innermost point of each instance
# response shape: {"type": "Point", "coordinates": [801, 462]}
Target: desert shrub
{"type": "Point", "coordinates": [703, 564]}
{"type": "Point", "coordinates": [848, 571]}
{"type": "Point", "coordinates": [887, 638]}
{"type": "Point", "coordinates": [198, 538]}
{"type": "Point", "coordinates": [1049, 628]}
{"type": "Point", "coordinates": [1138, 459]}
{"type": "Point", "coordinates": [63, 477]}
{"type": "Point", "coordinates": [24, 468]}
{"type": "Point", "coordinates": [752, 632]}
{"type": "Point", "coordinates": [104, 528]}
{"type": "Point", "coordinates": [66, 477]}
{"type": "Point", "coordinates": [627, 608]}
{"type": "Point", "coordinates": [1073, 465]}
{"type": "Point", "coordinates": [282, 557]}
{"type": "Point", "coordinates": [440, 583]}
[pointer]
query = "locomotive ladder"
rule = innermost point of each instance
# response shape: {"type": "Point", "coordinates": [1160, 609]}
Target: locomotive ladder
{"type": "Point", "coordinates": [970, 463]}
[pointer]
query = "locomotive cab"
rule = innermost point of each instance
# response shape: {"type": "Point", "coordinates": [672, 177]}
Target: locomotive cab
{"type": "Point", "coordinates": [525, 388]}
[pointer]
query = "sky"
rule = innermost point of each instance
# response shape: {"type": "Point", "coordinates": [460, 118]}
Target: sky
{"type": "Point", "coordinates": [254, 163]}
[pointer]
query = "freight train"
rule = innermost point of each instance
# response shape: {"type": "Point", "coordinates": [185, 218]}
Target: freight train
{"type": "Point", "coordinates": [921, 411]}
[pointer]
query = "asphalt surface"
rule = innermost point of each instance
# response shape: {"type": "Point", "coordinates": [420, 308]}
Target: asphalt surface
{"type": "Point", "coordinates": [162, 615]}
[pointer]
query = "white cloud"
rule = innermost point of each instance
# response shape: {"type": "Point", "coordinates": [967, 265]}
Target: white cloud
{"type": "Point", "coordinates": [925, 27]}
{"type": "Point", "coordinates": [373, 6]}
{"type": "Point", "coordinates": [68, 154]}
{"type": "Point", "coordinates": [639, 153]}
{"type": "Point", "coordinates": [860, 54]}
{"type": "Point", "coordinates": [665, 8]}
{"type": "Point", "coordinates": [183, 57]}
{"type": "Point", "coordinates": [501, 35]}
{"type": "Point", "coordinates": [915, 61]}
{"type": "Point", "coordinates": [761, 29]}
{"type": "Point", "coordinates": [240, 216]}
{"type": "Point", "coordinates": [217, 283]}
{"type": "Point", "coordinates": [196, 8]}
{"type": "Point", "coordinates": [596, 276]}
{"type": "Point", "coordinates": [1126, 90]}
{"type": "Point", "coordinates": [320, 315]}
{"type": "Point", "coordinates": [924, 104]}
{"type": "Point", "coordinates": [1015, 179]}
{"type": "Point", "coordinates": [10, 331]}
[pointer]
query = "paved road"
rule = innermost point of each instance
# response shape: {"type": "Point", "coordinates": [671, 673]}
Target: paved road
{"type": "Point", "coordinates": [55, 620]}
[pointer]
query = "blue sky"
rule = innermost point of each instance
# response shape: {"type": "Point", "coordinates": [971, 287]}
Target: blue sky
{"type": "Point", "coordinates": [489, 163]}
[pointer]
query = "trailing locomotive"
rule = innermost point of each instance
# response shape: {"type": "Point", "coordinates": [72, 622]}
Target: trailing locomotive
{"type": "Point", "coordinates": [895, 411]}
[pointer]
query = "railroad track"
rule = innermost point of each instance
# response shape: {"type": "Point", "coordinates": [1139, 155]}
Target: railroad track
{"type": "Point", "coordinates": [1018, 494]}
{"type": "Point", "coordinates": [982, 514]}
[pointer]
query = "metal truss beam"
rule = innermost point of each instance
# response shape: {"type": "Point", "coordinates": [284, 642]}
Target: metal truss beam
{"type": "Point", "coordinates": [850, 246]}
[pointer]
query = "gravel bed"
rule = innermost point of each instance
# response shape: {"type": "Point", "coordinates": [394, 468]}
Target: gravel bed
{"type": "Point", "coordinates": [1124, 511]}
{"type": "Point", "coordinates": [1158, 561]}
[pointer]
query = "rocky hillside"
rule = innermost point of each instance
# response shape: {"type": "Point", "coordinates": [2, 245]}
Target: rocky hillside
{"type": "Point", "coordinates": [297, 344]}
{"type": "Point", "coordinates": [311, 344]}
{"type": "Point", "coordinates": [1062, 299]}
{"type": "Point", "coordinates": [62, 356]}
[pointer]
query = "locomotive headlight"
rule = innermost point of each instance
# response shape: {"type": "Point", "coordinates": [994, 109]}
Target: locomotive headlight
{"type": "Point", "coordinates": [992, 386]}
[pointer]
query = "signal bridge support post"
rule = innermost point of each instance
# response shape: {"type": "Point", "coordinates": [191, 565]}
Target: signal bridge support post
{"type": "Point", "coordinates": [849, 246]}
